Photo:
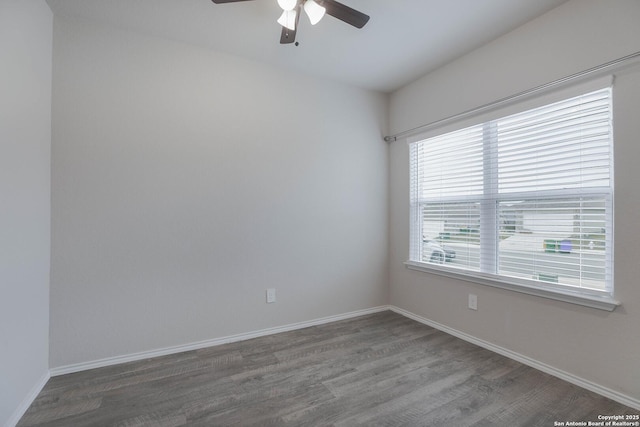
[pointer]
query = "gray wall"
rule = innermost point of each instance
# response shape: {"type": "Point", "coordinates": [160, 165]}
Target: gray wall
{"type": "Point", "coordinates": [186, 182]}
{"type": "Point", "coordinates": [597, 346]}
{"type": "Point", "coordinates": [25, 153]}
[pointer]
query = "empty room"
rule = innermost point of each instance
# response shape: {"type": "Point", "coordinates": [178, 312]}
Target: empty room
{"type": "Point", "coordinates": [319, 213]}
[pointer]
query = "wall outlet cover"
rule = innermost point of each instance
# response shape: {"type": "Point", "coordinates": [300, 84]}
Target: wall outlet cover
{"type": "Point", "coordinates": [473, 302]}
{"type": "Point", "coordinates": [271, 295]}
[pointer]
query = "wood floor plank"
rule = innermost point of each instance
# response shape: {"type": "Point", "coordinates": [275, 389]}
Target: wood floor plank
{"type": "Point", "coordinates": [154, 419]}
{"type": "Point", "coordinates": [376, 370]}
{"type": "Point", "coordinates": [48, 413]}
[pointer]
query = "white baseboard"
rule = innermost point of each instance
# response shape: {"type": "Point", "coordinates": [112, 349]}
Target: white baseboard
{"type": "Point", "coordinates": [109, 361]}
{"type": "Point", "coordinates": [27, 401]}
{"type": "Point", "coordinates": [566, 376]}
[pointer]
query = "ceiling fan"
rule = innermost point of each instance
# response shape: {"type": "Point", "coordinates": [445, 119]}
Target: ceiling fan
{"type": "Point", "coordinates": [315, 10]}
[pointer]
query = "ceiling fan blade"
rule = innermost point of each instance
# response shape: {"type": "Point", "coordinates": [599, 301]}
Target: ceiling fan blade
{"type": "Point", "coordinates": [289, 36]}
{"type": "Point", "coordinates": [344, 13]}
{"type": "Point", "coordinates": [227, 1]}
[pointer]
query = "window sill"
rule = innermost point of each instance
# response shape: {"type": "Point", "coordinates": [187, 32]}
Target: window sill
{"type": "Point", "coordinates": [601, 302]}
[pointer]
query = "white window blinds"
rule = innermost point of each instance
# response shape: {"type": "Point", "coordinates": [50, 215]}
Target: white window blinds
{"type": "Point", "coordinates": [528, 196]}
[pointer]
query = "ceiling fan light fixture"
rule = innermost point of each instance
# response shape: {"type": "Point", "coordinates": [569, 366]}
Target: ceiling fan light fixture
{"type": "Point", "coordinates": [288, 19]}
{"type": "Point", "coordinates": [287, 4]}
{"type": "Point", "coordinates": [314, 11]}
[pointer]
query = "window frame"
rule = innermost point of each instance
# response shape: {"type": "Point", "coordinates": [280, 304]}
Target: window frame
{"type": "Point", "coordinates": [489, 202]}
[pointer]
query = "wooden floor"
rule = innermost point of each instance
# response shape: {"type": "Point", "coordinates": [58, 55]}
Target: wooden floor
{"type": "Point", "coordinates": [376, 370]}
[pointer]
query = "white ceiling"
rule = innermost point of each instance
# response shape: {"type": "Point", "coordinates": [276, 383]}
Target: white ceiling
{"type": "Point", "coordinates": [403, 40]}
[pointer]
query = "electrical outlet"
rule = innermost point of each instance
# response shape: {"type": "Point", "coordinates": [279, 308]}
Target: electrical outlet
{"type": "Point", "coordinates": [473, 302]}
{"type": "Point", "coordinates": [271, 295]}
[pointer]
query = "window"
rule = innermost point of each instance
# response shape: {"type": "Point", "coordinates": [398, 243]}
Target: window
{"type": "Point", "coordinates": [524, 199]}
